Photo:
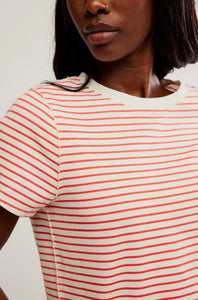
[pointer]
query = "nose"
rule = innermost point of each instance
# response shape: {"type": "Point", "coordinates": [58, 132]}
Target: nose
{"type": "Point", "coordinates": [96, 7]}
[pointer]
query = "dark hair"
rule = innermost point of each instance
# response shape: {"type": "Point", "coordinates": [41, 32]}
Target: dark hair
{"type": "Point", "coordinates": [174, 36]}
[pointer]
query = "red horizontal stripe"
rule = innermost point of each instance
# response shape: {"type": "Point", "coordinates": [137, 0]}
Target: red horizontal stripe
{"type": "Point", "coordinates": [183, 295]}
{"type": "Point", "coordinates": [128, 158]}
{"type": "Point", "coordinates": [127, 137]}
{"type": "Point", "coordinates": [131, 186]}
{"type": "Point", "coordinates": [131, 296]}
{"type": "Point", "coordinates": [107, 261]}
{"type": "Point", "coordinates": [127, 172]}
{"type": "Point", "coordinates": [122, 266]}
{"type": "Point", "coordinates": [132, 130]}
{"type": "Point", "coordinates": [126, 234]}
{"type": "Point", "coordinates": [189, 103]}
{"type": "Point", "coordinates": [118, 267]}
{"type": "Point", "coordinates": [129, 144]}
{"type": "Point", "coordinates": [130, 151]}
{"type": "Point", "coordinates": [128, 210]}
{"type": "Point", "coordinates": [191, 96]}
{"type": "Point", "coordinates": [126, 194]}
{"type": "Point", "coordinates": [115, 220]}
{"type": "Point", "coordinates": [130, 165]}
{"type": "Point", "coordinates": [87, 106]}
{"type": "Point", "coordinates": [135, 288]}
{"type": "Point", "coordinates": [102, 230]}
{"type": "Point", "coordinates": [120, 274]}
{"type": "Point", "coordinates": [128, 110]}
{"type": "Point", "coordinates": [57, 92]}
{"type": "Point", "coordinates": [73, 100]}
{"type": "Point", "coordinates": [139, 272]}
{"type": "Point", "coordinates": [127, 124]}
{"type": "Point", "coordinates": [128, 178]}
{"type": "Point", "coordinates": [156, 245]}
{"type": "Point", "coordinates": [120, 281]}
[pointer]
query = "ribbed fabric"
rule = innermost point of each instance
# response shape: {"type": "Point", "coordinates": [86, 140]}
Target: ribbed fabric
{"type": "Point", "coordinates": [110, 182]}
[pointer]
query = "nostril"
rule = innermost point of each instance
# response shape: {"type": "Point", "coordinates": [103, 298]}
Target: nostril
{"type": "Point", "coordinates": [96, 9]}
{"type": "Point", "coordinates": [98, 12]}
{"type": "Point", "coordinates": [101, 11]}
{"type": "Point", "coordinates": [88, 13]}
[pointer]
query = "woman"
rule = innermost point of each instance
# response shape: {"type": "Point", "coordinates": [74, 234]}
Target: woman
{"type": "Point", "coordinates": [104, 162]}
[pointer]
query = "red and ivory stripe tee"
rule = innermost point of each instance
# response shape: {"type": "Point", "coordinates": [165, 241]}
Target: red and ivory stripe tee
{"type": "Point", "coordinates": [110, 182]}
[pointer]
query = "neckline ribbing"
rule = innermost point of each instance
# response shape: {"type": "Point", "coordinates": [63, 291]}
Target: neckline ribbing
{"type": "Point", "coordinates": [130, 100]}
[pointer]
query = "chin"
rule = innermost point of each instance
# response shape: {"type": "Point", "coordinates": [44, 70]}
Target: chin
{"type": "Point", "coordinates": [106, 56]}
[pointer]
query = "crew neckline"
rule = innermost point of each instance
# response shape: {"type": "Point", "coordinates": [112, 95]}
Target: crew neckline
{"type": "Point", "coordinates": [130, 100]}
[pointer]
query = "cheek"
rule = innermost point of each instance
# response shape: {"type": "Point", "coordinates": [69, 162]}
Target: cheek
{"type": "Point", "coordinates": [140, 15]}
{"type": "Point", "coordinates": [75, 10]}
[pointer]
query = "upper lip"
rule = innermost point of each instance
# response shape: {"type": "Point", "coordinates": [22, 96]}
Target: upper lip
{"type": "Point", "coordinates": [99, 27]}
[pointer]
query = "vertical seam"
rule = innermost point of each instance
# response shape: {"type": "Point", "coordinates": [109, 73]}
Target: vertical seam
{"type": "Point", "coordinates": [57, 189]}
{"type": "Point", "coordinates": [55, 262]}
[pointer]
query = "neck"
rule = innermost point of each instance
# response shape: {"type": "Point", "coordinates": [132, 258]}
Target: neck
{"type": "Point", "coordinates": [133, 75]}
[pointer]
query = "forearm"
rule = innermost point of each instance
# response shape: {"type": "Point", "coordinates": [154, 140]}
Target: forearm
{"type": "Point", "coordinates": [2, 295]}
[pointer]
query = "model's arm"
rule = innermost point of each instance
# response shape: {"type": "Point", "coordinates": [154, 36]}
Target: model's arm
{"type": "Point", "coordinates": [7, 224]}
{"type": "Point", "coordinates": [2, 295]}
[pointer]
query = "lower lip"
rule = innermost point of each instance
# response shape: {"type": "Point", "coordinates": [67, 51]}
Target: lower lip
{"type": "Point", "coordinates": [102, 37]}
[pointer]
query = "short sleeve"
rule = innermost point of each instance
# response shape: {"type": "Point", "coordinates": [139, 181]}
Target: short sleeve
{"type": "Point", "coordinates": [29, 156]}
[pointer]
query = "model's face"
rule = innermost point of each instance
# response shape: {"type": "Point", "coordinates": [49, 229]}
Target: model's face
{"type": "Point", "coordinates": [112, 29]}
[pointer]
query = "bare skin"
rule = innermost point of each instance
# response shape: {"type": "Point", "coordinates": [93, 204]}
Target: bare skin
{"type": "Point", "coordinates": [123, 47]}
{"type": "Point", "coordinates": [7, 224]}
{"type": "Point", "coordinates": [139, 81]}
{"type": "Point", "coordinates": [2, 295]}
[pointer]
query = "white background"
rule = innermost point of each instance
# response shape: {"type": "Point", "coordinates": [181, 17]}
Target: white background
{"type": "Point", "coordinates": [26, 51]}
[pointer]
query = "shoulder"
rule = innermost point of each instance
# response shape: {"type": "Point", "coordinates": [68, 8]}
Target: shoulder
{"type": "Point", "coordinates": [181, 89]}
{"type": "Point", "coordinates": [69, 84]}
{"type": "Point", "coordinates": [192, 90]}
{"type": "Point", "coordinates": [191, 95]}
{"type": "Point", "coordinates": [38, 99]}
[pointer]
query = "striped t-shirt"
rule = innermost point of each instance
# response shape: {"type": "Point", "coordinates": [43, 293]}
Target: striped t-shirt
{"type": "Point", "coordinates": [110, 182]}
